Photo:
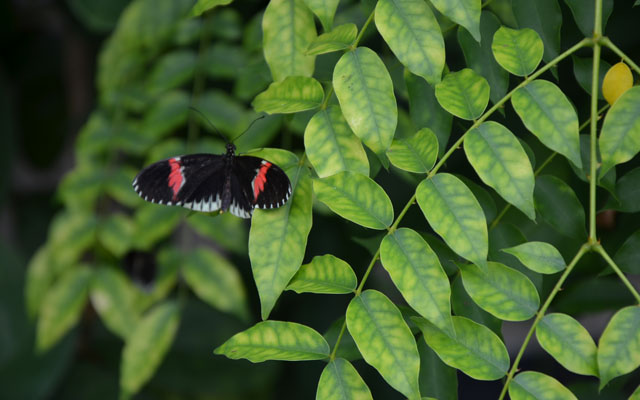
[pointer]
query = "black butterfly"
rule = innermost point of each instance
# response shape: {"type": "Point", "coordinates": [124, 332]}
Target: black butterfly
{"type": "Point", "coordinates": [210, 182]}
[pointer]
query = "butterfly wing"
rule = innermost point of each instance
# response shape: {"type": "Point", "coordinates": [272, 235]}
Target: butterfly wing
{"type": "Point", "coordinates": [194, 181]}
{"type": "Point", "coordinates": [269, 185]}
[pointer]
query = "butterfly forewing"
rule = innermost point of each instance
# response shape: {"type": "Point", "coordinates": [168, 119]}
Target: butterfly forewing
{"type": "Point", "coordinates": [207, 182]}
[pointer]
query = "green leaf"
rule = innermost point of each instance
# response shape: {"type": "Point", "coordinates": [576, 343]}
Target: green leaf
{"type": "Point", "coordinates": [355, 197]}
{"type": "Point", "coordinates": [276, 340]}
{"type": "Point", "coordinates": [464, 306]}
{"type": "Point", "coordinates": [324, 10]}
{"type": "Point", "coordinates": [324, 274]}
{"type": "Point", "coordinates": [628, 255]}
{"type": "Point", "coordinates": [417, 153]}
{"type": "Point", "coordinates": [169, 112]}
{"type": "Point", "coordinates": [583, 69]}
{"type": "Point", "coordinates": [519, 51]}
{"type": "Point", "coordinates": [464, 94]}
{"type": "Point", "coordinates": [347, 349]}
{"type": "Point", "coordinates": [114, 297]}
{"type": "Point", "coordinates": [501, 291]}
{"type": "Point", "coordinates": [559, 206]}
{"type": "Point", "coordinates": [543, 16]}
{"type": "Point", "coordinates": [585, 15]}
{"type": "Point", "coordinates": [620, 137]}
{"type": "Point", "coordinates": [636, 393]}
{"type": "Point", "coordinates": [365, 92]}
{"type": "Point", "coordinates": [539, 257]}
{"type": "Point", "coordinates": [340, 381]}
{"type": "Point", "coordinates": [116, 234]}
{"type": "Point", "coordinates": [480, 58]}
{"type": "Point", "coordinates": [425, 110]}
{"type": "Point", "coordinates": [619, 346]}
{"type": "Point", "coordinates": [224, 229]}
{"type": "Point", "coordinates": [291, 95]}
{"type": "Point", "coordinates": [223, 61]}
{"type": "Point", "coordinates": [62, 306]}
{"type": "Point", "coordinates": [414, 36]}
{"type": "Point", "coordinates": [436, 378]}
{"type": "Point", "coordinates": [417, 273]}
{"type": "Point", "coordinates": [627, 192]}
{"type": "Point", "coordinates": [154, 222]}
{"type": "Point", "coordinates": [465, 13]}
{"type": "Point", "coordinates": [454, 213]}
{"type": "Point", "coordinates": [385, 340]}
{"type": "Point", "coordinates": [216, 281]}
{"type": "Point", "coordinates": [147, 345]}
{"type": "Point", "coordinates": [549, 115]}
{"type": "Point", "coordinates": [484, 198]}
{"type": "Point", "coordinates": [203, 6]}
{"type": "Point", "coordinates": [475, 350]}
{"type": "Point", "coordinates": [340, 38]}
{"type": "Point", "coordinates": [287, 30]}
{"type": "Point", "coordinates": [569, 343]}
{"type": "Point", "coordinates": [41, 272]}
{"type": "Point", "coordinates": [531, 385]}
{"type": "Point", "coordinates": [81, 187]}
{"type": "Point", "coordinates": [171, 71]}
{"type": "Point", "coordinates": [278, 239]}
{"type": "Point", "coordinates": [501, 162]}
{"type": "Point", "coordinates": [331, 146]}
{"type": "Point", "coordinates": [70, 234]}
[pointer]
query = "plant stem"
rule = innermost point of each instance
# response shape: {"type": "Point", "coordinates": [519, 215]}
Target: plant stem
{"type": "Point", "coordinates": [608, 43]}
{"type": "Point", "coordinates": [540, 314]}
{"type": "Point", "coordinates": [598, 248]}
{"type": "Point", "coordinates": [193, 128]}
{"type": "Point", "coordinates": [362, 30]}
{"type": "Point", "coordinates": [595, 80]}
{"type": "Point", "coordinates": [327, 96]}
{"type": "Point", "coordinates": [457, 144]}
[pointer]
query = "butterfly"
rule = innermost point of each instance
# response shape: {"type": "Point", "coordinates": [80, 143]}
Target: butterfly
{"type": "Point", "coordinates": [211, 182]}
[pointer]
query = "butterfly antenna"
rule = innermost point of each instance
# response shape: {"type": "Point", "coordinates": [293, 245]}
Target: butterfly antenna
{"type": "Point", "coordinates": [224, 138]}
{"type": "Point", "coordinates": [248, 127]}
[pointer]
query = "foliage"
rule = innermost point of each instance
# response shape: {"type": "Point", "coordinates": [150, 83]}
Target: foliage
{"type": "Point", "coordinates": [366, 133]}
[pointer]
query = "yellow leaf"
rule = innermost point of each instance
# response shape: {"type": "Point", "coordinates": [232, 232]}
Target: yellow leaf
{"type": "Point", "coordinates": [617, 81]}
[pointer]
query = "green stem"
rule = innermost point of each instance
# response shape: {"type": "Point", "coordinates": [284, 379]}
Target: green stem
{"type": "Point", "coordinates": [608, 43]}
{"type": "Point", "coordinates": [598, 248]}
{"type": "Point", "coordinates": [457, 144]}
{"type": "Point", "coordinates": [539, 315]}
{"type": "Point", "coordinates": [335, 347]}
{"type": "Point", "coordinates": [363, 29]}
{"type": "Point", "coordinates": [199, 81]}
{"type": "Point", "coordinates": [327, 96]}
{"type": "Point", "coordinates": [595, 80]}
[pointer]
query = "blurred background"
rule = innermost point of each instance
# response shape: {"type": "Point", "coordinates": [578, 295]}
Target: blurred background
{"type": "Point", "coordinates": [89, 95]}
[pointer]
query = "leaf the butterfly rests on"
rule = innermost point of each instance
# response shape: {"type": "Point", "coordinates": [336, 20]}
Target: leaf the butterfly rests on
{"type": "Point", "coordinates": [209, 182]}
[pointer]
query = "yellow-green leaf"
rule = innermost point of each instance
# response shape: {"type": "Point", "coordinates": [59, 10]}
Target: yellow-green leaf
{"type": "Point", "coordinates": [341, 381]}
{"type": "Point", "coordinates": [276, 340]}
{"type": "Point", "coordinates": [475, 350]}
{"type": "Point", "coordinates": [154, 222]}
{"type": "Point", "coordinates": [331, 146]}
{"type": "Point", "coordinates": [203, 6]}
{"type": "Point", "coordinates": [364, 89]}
{"type": "Point", "coordinates": [278, 239]}
{"type": "Point", "coordinates": [41, 272]}
{"type": "Point", "coordinates": [355, 197]}
{"type": "Point", "coordinates": [620, 137]}
{"type": "Point", "coordinates": [619, 346]}
{"type": "Point", "coordinates": [417, 153]}
{"type": "Point", "coordinates": [116, 233]}
{"type": "Point", "coordinates": [502, 291]}
{"type": "Point", "coordinates": [465, 13]}
{"type": "Point", "coordinates": [287, 30]}
{"type": "Point", "coordinates": [531, 385]}
{"type": "Point", "coordinates": [538, 256]}
{"type": "Point", "coordinates": [549, 115]}
{"type": "Point", "coordinates": [569, 343]}
{"type": "Point", "coordinates": [501, 162]}
{"type": "Point", "coordinates": [417, 273]}
{"type": "Point", "coordinates": [215, 280]}
{"type": "Point", "coordinates": [114, 298]}
{"type": "Point", "coordinates": [147, 345]}
{"type": "Point", "coordinates": [324, 274]}
{"type": "Point", "coordinates": [454, 213]}
{"type": "Point", "coordinates": [385, 341]}
{"type": "Point", "coordinates": [324, 10]}
{"type": "Point", "coordinates": [337, 39]}
{"type": "Point", "coordinates": [62, 306]}
{"type": "Point", "coordinates": [414, 36]}
{"type": "Point", "coordinates": [464, 94]}
{"type": "Point", "coordinates": [291, 95]}
{"type": "Point", "coordinates": [519, 51]}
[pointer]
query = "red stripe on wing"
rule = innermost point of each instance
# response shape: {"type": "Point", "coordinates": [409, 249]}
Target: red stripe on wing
{"type": "Point", "coordinates": [260, 180]}
{"type": "Point", "coordinates": [175, 176]}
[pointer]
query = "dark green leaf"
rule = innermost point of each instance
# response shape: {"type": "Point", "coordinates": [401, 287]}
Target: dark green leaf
{"type": "Point", "coordinates": [559, 206]}
{"type": "Point", "coordinates": [628, 256]}
{"type": "Point", "coordinates": [436, 378]}
{"type": "Point", "coordinates": [544, 17]}
{"type": "Point", "coordinates": [464, 306]}
{"type": "Point", "coordinates": [584, 14]}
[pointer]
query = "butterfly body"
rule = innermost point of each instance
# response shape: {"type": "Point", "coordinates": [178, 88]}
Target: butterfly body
{"type": "Point", "coordinates": [210, 182]}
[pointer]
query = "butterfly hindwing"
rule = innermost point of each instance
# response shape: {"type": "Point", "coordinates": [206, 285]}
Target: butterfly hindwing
{"type": "Point", "coordinates": [270, 186]}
